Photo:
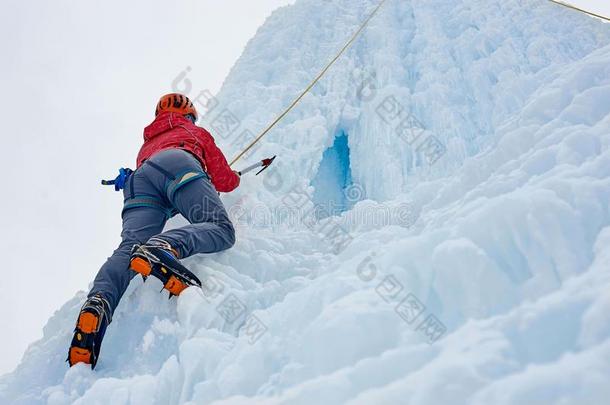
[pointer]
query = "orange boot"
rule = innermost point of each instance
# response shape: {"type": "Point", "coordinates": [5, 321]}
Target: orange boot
{"type": "Point", "coordinates": [157, 258]}
{"type": "Point", "coordinates": [91, 325]}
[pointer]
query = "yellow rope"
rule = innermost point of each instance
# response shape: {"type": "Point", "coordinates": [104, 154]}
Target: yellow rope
{"type": "Point", "coordinates": [561, 3]}
{"type": "Point", "coordinates": [313, 83]}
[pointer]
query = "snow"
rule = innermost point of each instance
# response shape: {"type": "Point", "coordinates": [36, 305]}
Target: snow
{"type": "Point", "coordinates": [471, 265]}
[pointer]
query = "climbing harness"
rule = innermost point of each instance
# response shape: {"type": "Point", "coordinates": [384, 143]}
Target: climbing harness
{"type": "Point", "coordinates": [176, 182]}
{"type": "Point", "coordinates": [133, 200]}
{"type": "Point", "coordinates": [311, 85]}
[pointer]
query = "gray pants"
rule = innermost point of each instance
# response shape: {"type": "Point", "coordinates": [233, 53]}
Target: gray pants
{"type": "Point", "coordinates": [153, 194]}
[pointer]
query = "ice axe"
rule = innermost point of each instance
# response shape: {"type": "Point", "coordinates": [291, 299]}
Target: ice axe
{"type": "Point", "coordinates": [265, 163]}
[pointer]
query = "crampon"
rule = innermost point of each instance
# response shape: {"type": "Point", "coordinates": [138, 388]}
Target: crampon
{"type": "Point", "coordinates": [156, 258]}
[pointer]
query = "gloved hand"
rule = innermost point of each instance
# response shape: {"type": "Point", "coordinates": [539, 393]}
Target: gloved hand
{"type": "Point", "coordinates": [120, 181]}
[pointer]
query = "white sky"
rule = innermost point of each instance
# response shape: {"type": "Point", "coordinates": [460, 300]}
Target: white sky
{"type": "Point", "coordinates": [79, 81]}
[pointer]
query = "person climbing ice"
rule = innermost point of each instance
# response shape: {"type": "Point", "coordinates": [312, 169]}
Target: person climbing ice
{"type": "Point", "coordinates": [179, 170]}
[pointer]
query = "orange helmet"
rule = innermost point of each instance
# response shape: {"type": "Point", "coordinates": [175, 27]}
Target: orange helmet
{"type": "Point", "coordinates": [177, 103]}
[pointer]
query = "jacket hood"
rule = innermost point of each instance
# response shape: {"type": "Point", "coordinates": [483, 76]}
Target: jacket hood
{"type": "Point", "coordinates": [164, 122]}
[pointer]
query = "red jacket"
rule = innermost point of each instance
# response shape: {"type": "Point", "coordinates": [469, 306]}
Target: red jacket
{"type": "Point", "coordinates": [170, 130]}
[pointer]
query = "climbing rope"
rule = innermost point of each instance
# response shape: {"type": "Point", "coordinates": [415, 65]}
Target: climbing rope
{"type": "Point", "coordinates": [561, 3]}
{"type": "Point", "coordinates": [313, 83]}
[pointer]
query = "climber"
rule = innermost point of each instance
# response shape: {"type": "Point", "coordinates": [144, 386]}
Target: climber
{"type": "Point", "coordinates": [179, 170]}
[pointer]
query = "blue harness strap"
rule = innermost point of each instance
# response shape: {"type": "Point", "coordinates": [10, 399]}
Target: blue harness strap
{"type": "Point", "coordinates": [125, 179]}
